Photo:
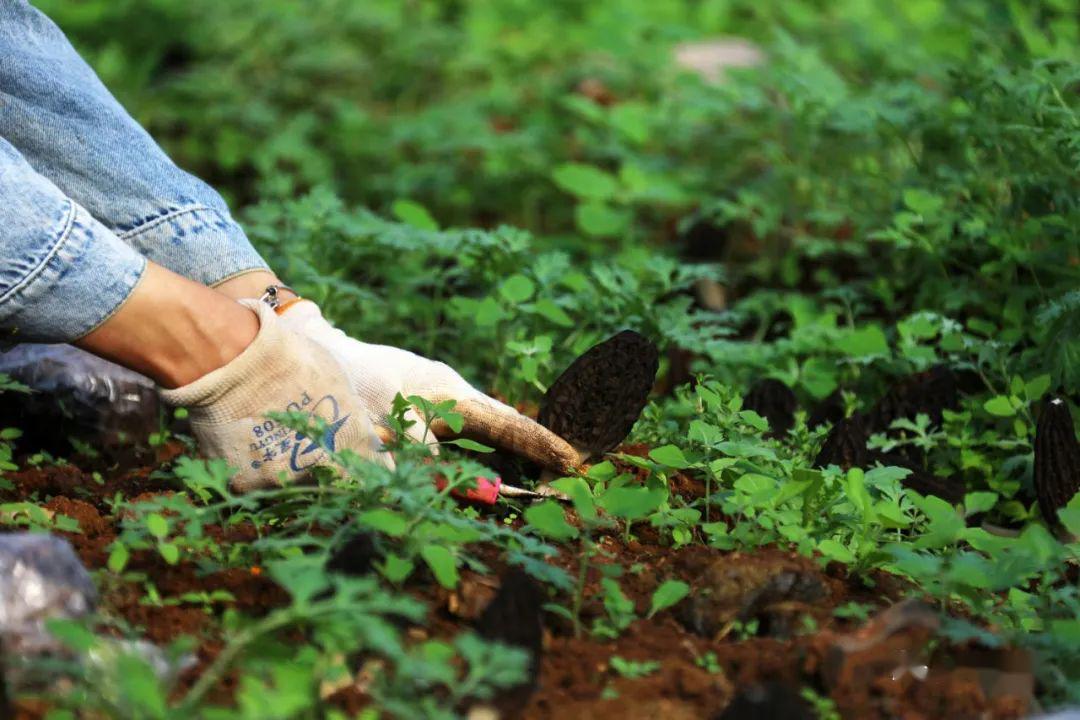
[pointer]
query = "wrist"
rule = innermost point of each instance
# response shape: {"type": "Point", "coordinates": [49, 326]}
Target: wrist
{"type": "Point", "coordinates": [173, 330]}
{"type": "Point", "coordinates": [254, 285]}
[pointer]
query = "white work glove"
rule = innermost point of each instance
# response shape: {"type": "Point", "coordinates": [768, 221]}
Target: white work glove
{"type": "Point", "coordinates": [377, 373]}
{"type": "Point", "coordinates": [279, 371]}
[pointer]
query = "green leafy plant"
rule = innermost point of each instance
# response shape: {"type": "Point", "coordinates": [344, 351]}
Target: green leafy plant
{"type": "Point", "coordinates": [633, 669]}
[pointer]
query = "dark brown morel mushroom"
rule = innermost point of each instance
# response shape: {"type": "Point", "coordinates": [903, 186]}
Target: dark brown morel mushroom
{"type": "Point", "coordinates": [356, 556]}
{"type": "Point", "coordinates": [929, 393]}
{"type": "Point", "coordinates": [774, 401]}
{"type": "Point", "coordinates": [515, 617]}
{"type": "Point", "coordinates": [596, 401]}
{"type": "Point", "coordinates": [828, 411]}
{"type": "Point", "coordinates": [845, 445]}
{"type": "Point", "coordinates": [1057, 459]}
{"type": "Point", "coordinates": [950, 489]}
{"type": "Point", "coordinates": [593, 404]}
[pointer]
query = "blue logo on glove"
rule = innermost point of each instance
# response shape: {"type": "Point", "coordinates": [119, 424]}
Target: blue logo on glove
{"type": "Point", "coordinates": [328, 439]}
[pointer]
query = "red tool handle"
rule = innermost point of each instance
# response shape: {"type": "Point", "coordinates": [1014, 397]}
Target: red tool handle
{"type": "Point", "coordinates": [486, 490]}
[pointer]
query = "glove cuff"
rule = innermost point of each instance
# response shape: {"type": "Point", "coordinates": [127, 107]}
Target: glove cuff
{"type": "Point", "coordinates": [261, 364]}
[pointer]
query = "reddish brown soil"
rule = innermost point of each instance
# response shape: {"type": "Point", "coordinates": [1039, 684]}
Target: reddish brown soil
{"type": "Point", "coordinates": [698, 674]}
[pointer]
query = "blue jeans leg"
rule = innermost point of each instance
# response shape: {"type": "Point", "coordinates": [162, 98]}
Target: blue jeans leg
{"type": "Point", "coordinates": [67, 125]}
{"type": "Point", "coordinates": [63, 272]}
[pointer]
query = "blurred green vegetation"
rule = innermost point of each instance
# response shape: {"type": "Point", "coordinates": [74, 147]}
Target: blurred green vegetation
{"type": "Point", "coordinates": [468, 107]}
{"type": "Point", "coordinates": [887, 158]}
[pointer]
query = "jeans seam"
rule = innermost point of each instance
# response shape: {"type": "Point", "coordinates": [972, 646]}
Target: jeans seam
{"type": "Point", "coordinates": [129, 234]}
{"type": "Point", "coordinates": [34, 272]}
{"type": "Point", "coordinates": [238, 273]}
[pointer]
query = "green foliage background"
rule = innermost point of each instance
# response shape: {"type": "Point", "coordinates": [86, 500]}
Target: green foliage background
{"type": "Point", "coordinates": [940, 137]}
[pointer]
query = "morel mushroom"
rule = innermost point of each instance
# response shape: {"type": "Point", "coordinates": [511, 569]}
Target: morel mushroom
{"type": "Point", "coordinates": [845, 445]}
{"type": "Point", "coordinates": [597, 400]}
{"type": "Point", "coordinates": [515, 617]}
{"type": "Point", "coordinates": [774, 401]}
{"type": "Point", "coordinates": [929, 393]}
{"type": "Point", "coordinates": [1057, 459]}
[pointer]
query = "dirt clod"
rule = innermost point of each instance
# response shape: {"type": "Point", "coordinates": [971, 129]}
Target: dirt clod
{"type": "Point", "coordinates": [473, 595]}
{"type": "Point", "coordinates": [893, 642]}
{"type": "Point", "coordinates": [768, 700]}
{"type": "Point", "coordinates": [773, 589]}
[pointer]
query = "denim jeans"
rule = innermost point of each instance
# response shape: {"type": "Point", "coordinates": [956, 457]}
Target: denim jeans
{"type": "Point", "coordinates": [86, 195]}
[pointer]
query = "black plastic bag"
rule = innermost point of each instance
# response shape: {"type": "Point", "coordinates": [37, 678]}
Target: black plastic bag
{"type": "Point", "coordinates": [76, 395]}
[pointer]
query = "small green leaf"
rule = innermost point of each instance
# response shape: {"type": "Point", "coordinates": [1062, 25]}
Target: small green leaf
{"type": "Point", "coordinates": [517, 289]}
{"type": "Point", "coordinates": [486, 312]}
{"type": "Point", "coordinates": [157, 525]}
{"type": "Point", "coordinates": [945, 523]}
{"type": "Point", "coordinates": [549, 310]}
{"type": "Point", "coordinates": [413, 213]}
{"type": "Point", "coordinates": [866, 341]}
{"type": "Point", "coordinates": [920, 326]}
{"type": "Point", "coordinates": [632, 120]}
{"type": "Point", "coordinates": [633, 503]}
{"type": "Point", "coordinates": [1037, 387]}
{"type": "Point", "coordinates": [979, 502]}
{"type": "Point", "coordinates": [580, 494]}
{"type": "Point", "coordinates": [669, 455]}
{"type": "Point", "coordinates": [396, 568]}
{"type": "Point", "coordinates": [170, 552]}
{"type": "Point", "coordinates": [600, 219]}
{"type": "Point", "coordinates": [548, 519]}
{"type": "Point", "coordinates": [1000, 405]}
{"type": "Point", "coordinates": [118, 557]}
{"type": "Point", "coordinates": [818, 376]}
{"type": "Point", "coordinates": [385, 521]}
{"type": "Point", "coordinates": [833, 550]}
{"type": "Point", "coordinates": [602, 471]}
{"type": "Point", "coordinates": [559, 610]}
{"type": "Point", "coordinates": [303, 577]}
{"type": "Point", "coordinates": [669, 593]}
{"type": "Point", "coordinates": [72, 634]}
{"type": "Point", "coordinates": [469, 445]}
{"type": "Point", "coordinates": [922, 202]}
{"type": "Point", "coordinates": [443, 565]}
{"type": "Point", "coordinates": [585, 181]}
{"type": "Point", "coordinates": [754, 420]}
{"type": "Point", "coordinates": [1070, 518]}
{"type": "Point", "coordinates": [855, 487]}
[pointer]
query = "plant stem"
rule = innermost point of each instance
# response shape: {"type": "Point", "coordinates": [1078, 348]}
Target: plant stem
{"type": "Point", "coordinates": [579, 590]}
{"type": "Point", "coordinates": [708, 493]}
{"type": "Point", "coordinates": [275, 621]}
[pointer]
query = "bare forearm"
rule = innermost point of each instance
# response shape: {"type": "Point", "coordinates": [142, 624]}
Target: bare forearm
{"type": "Point", "coordinates": [173, 330]}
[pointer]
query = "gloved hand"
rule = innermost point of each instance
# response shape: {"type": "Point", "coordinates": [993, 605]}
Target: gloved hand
{"type": "Point", "coordinates": [377, 373]}
{"type": "Point", "coordinates": [278, 372]}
